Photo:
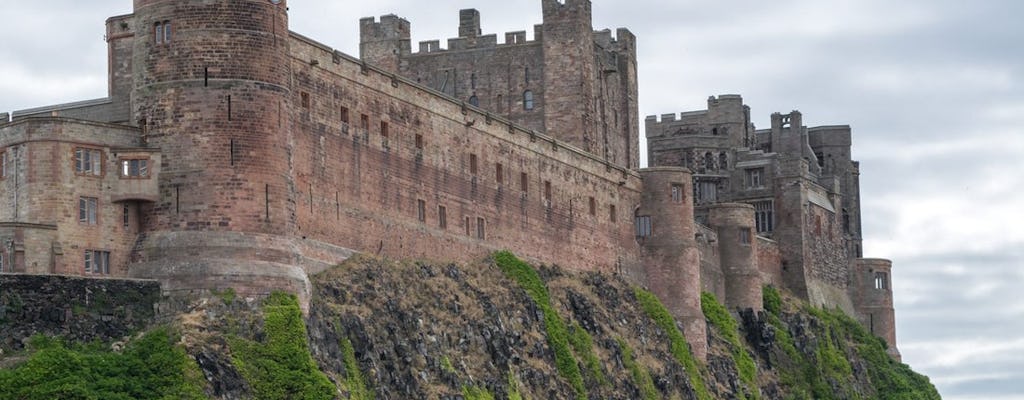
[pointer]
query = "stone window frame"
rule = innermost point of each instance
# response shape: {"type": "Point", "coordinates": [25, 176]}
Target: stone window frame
{"type": "Point", "coordinates": [162, 32]}
{"type": "Point", "coordinates": [642, 227]}
{"type": "Point", "coordinates": [481, 228]}
{"type": "Point", "coordinates": [745, 236]}
{"type": "Point", "coordinates": [3, 163]}
{"type": "Point", "coordinates": [754, 178]}
{"type": "Point", "coordinates": [499, 174]}
{"type": "Point", "coordinates": [79, 167]}
{"type": "Point", "coordinates": [528, 100]}
{"type": "Point", "coordinates": [442, 217]}
{"type": "Point", "coordinates": [96, 262]}
{"type": "Point", "coordinates": [421, 210]}
{"type": "Point", "coordinates": [88, 210]}
{"type": "Point", "coordinates": [123, 167]}
{"type": "Point", "coordinates": [678, 193]}
{"type": "Point", "coordinates": [764, 216]}
{"type": "Point", "coordinates": [881, 280]}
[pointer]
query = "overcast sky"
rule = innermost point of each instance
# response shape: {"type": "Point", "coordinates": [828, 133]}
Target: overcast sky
{"type": "Point", "coordinates": [934, 90]}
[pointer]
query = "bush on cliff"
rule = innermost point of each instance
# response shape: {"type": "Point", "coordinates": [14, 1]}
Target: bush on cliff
{"type": "Point", "coordinates": [151, 367]}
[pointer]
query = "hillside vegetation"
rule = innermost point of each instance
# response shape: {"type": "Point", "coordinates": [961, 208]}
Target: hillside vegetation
{"type": "Point", "coordinates": [498, 329]}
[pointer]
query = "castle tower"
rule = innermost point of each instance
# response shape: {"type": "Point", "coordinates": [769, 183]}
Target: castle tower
{"type": "Point", "coordinates": [569, 73]}
{"type": "Point", "coordinates": [872, 294]}
{"type": "Point", "coordinates": [665, 230]}
{"type": "Point", "coordinates": [211, 91]}
{"type": "Point", "coordinates": [385, 43]}
{"type": "Point", "coordinates": [737, 244]}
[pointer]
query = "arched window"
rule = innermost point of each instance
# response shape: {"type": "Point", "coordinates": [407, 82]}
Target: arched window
{"type": "Point", "coordinates": [474, 101]}
{"type": "Point", "coordinates": [528, 100]}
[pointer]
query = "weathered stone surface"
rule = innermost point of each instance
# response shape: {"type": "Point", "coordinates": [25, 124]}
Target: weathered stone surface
{"type": "Point", "coordinates": [77, 309]}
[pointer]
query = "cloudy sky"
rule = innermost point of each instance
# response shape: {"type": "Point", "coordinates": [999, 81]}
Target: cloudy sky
{"type": "Point", "coordinates": [934, 90]}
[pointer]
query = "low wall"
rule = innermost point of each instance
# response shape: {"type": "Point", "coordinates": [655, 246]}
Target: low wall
{"type": "Point", "coordinates": [78, 309]}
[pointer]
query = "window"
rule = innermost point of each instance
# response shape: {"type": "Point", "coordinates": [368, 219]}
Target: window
{"type": "Point", "coordinates": [881, 281]}
{"type": "Point", "coordinates": [136, 168]}
{"type": "Point", "coordinates": [528, 100]}
{"type": "Point", "coordinates": [3, 164]}
{"type": "Point", "coordinates": [499, 174]}
{"type": "Point", "coordinates": [472, 85]}
{"type": "Point", "coordinates": [755, 178]}
{"type": "Point", "coordinates": [677, 193]}
{"type": "Point", "coordinates": [442, 217]}
{"type": "Point", "coordinates": [305, 100]}
{"type": "Point", "coordinates": [723, 161]}
{"type": "Point", "coordinates": [706, 191]}
{"type": "Point", "coordinates": [472, 164]}
{"type": "Point", "coordinates": [421, 210]}
{"type": "Point", "coordinates": [474, 101]}
{"type": "Point", "coordinates": [526, 74]}
{"type": "Point", "coordinates": [709, 162]}
{"type": "Point", "coordinates": [468, 227]}
{"type": "Point", "coordinates": [384, 129]}
{"type": "Point", "coordinates": [612, 213]}
{"type": "Point", "coordinates": [87, 210]}
{"type": "Point", "coordinates": [643, 226]}
{"type": "Point", "coordinates": [744, 236]}
{"type": "Point", "coordinates": [344, 115]}
{"type": "Point", "coordinates": [127, 216]}
{"type": "Point", "coordinates": [97, 262]}
{"type": "Point", "coordinates": [846, 221]}
{"type": "Point", "coordinates": [764, 216]}
{"type": "Point", "coordinates": [1, 262]}
{"type": "Point", "coordinates": [364, 122]}
{"type": "Point", "coordinates": [524, 182]}
{"type": "Point", "coordinates": [419, 142]}
{"type": "Point", "coordinates": [88, 162]}
{"type": "Point", "coordinates": [162, 32]}
{"type": "Point", "coordinates": [480, 228]}
{"type": "Point", "coordinates": [593, 206]}
{"type": "Point", "coordinates": [547, 193]}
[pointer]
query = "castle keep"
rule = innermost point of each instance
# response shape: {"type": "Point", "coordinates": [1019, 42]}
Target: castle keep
{"type": "Point", "coordinates": [232, 152]}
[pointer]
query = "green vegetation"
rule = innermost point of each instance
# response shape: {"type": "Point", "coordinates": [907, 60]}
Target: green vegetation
{"type": "Point", "coordinates": [679, 348]}
{"type": "Point", "coordinates": [583, 345]}
{"type": "Point", "coordinates": [813, 376]}
{"type": "Point", "coordinates": [513, 387]}
{"type": "Point", "coordinates": [280, 366]}
{"type": "Point", "coordinates": [446, 365]}
{"type": "Point", "coordinates": [476, 393]}
{"type": "Point", "coordinates": [557, 333]}
{"type": "Point", "coordinates": [228, 295]}
{"type": "Point", "coordinates": [150, 367]}
{"type": "Point", "coordinates": [720, 318]}
{"type": "Point", "coordinates": [641, 377]}
{"type": "Point", "coordinates": [354, 382]}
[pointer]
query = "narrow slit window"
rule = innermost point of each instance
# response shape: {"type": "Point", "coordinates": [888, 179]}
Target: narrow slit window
{"type": "Point", "coordinates": [481, 226]}
{"type": "Point", "coordinates": [499, 174]}
{"type": "Point", "coordinates": [344, 115]}
{"type": "Point", "coordinates": [384, 129]}
{"type": "Point", "coordinates": [612, 215]}
{"type": "Point", "coordinates": [442, 217]}
{"type": "Point", "coordinates": [469, 228]}
{"type": "Point", "coordinates": [592, 205]}
{"type": "Point", "coordinates": [421, 210]}
{"type": "Point", "coordinates": [472, 164]}
{"type": "Point", "coordinates": [419, 142]}
{"type": "Point", "coordinates": [524, 182]}
{"type": "Point", "coordinates": [305, 100]}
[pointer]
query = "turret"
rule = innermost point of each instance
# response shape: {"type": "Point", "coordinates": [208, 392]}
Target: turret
{"type": "Point", "coordinates": [873, 299]}
{"type": "Point", "coordinates": [569, 73]}
{"type": "Point", "coordinates": [384, 43]}
{"type": "Point", "coordinates": [665, 231]}
{"type": "Point", "coordinates": [737, 246]}
{"type": "Point", "coordinates": [212, 92]}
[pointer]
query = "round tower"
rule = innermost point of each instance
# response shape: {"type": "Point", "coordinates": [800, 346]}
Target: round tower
{"type": "Point", "coordinates": [212, 92]}
{"type": "Point", "coordinates": [665, 231]}
{"type": "Point", "coordinates": [737, 249]}
{"type": "Point", "coordinates": [873, 297]}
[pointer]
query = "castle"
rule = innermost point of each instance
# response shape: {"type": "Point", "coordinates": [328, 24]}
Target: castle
{"type": "Point", "coordinates": [234, 153]}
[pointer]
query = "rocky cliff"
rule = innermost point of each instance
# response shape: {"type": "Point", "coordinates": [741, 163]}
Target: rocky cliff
{"type": "Point", "coordinates": [501, 329]}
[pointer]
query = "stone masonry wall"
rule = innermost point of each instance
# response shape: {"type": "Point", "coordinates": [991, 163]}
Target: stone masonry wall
{"type": "Point", "coordinates": [405, 152]}
{"type": "Point", "coordinates": [78, 309]}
